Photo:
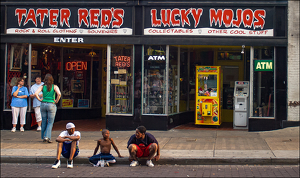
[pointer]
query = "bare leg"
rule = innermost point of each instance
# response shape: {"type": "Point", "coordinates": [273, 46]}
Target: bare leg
{"type": "Point", "coordinates": [152, 150]}
{"type": "Point", "coordinates": [73, 149]}
{"type": "Point", "coordinates": [14, 125]}
{"type": "Point", "coordinates": [21, 125]}
{"type": "Point", "coordinates": [59, 150]}
{"type": "Point", "coordinates": [39, 123]}
{"type": "Point", "coordinates": [132, 152]}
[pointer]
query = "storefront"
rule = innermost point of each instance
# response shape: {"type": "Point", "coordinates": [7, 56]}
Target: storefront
{"type": "Point", "coordinates": [134, 62]}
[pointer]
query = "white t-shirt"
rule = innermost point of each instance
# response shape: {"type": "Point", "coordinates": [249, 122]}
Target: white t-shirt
{"type": "Point", "coordinates": [66, 133]}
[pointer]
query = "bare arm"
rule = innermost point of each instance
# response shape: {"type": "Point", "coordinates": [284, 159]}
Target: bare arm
{"type": "Point", "coordinates": [115, 147]}
{"type": "Point", "coordinates": [97, 147]}
{"type": "Point", "coordinates": [56, 89]}
{"type": "Point", "coordinates": [158, 153]}
{"type": "Point", "coordinates": [37, 93]}
{"type": "Point", "coordinates": [15, 94]}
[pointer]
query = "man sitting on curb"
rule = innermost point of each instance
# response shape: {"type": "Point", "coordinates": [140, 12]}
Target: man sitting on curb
{"type": "Point", "coordinates": [68, 142]}
{"type": "Point", "coordinates": [143, 144]}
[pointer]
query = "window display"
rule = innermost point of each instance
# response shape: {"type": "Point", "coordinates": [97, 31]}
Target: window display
{"type": "Point", "coordinates": [263, 82]}
{"type": "Point", "coordinates": [121, 86]}
{"type": "Point", "coordinates": [154, 88]}
{"type": "Point", "coordinates": [173, 80]}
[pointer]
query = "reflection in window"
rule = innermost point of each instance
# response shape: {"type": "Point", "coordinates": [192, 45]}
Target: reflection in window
{"type": "Point", "coordinates": [121, 86]}
{"type": "Point", "coordinates": [173, 80]}
{"type": "Point", "coordinates": [263, 82]}
{"type": "Point", "coordinates": [154, 88]}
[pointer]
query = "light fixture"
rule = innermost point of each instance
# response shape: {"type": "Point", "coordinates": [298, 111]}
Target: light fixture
{"type": "Point", "coordinates": [243, 47]}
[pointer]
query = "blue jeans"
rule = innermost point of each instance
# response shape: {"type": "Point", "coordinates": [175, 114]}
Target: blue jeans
{"type": "Point", "coordinates": [48, 111]}
{"type": "Point", "coordinates": [106, 156]}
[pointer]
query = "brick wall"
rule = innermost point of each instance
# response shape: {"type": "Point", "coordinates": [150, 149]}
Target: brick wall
{"type": "Point", "coordinates": [293, 60]}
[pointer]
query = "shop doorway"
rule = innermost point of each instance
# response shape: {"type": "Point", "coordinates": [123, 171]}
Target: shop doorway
{"type": "Point", "coordinates": [234, 61]}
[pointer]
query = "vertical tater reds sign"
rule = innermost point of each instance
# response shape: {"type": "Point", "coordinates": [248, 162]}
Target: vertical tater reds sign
{"type": "Point", "coordinates": [175, 17]}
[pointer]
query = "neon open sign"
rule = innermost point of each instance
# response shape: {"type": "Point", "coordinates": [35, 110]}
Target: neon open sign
{"type": "Point", "coordinates": [76, 65]}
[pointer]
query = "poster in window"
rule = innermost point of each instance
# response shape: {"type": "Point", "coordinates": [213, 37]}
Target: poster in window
{"type": "Point", "coordinates": [79, 75]}
{"type": "Point", "coordinates": [77, 86]}
{"type": "Point", "coordinates": [34, 73]}
{"type": "Point", "coordinates": [83, 103]}
{"type": "Point", "coordinates": [34, 54]}
{"type": "Point", "coordinates": [67, 103]}
{"type": "Point", "coordinates": [16, 58]}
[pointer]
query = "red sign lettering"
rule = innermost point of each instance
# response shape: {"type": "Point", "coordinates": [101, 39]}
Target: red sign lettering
{"type": "Point", "coordinates": [121, 61]}
{"type": "Point", "coordinates": [76, 65]}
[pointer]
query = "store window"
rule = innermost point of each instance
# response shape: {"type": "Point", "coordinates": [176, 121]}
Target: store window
{"type": "Point", "coordinates": [76, 78]}
{"type": "Point", "coordinates": [184, 80]}
{"type": "Point", "coordinates": [173, 80]}
{"type": "Point", "coordinates": [16, 67]}
{"type": "Point", "coordinates": [154, 80]}
{"type": "Point", "coordinates": [263, 82]}
{"type": "Point", "coordinates": [121, 79]}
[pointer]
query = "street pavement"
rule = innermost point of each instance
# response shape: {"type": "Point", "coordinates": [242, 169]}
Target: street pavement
{"type": "Point", "coordinates": [85, 170]}
{"type": "Point", "coordinates": [178, 147]}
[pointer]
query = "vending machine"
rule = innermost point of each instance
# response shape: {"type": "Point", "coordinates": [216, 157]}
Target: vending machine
{"type": "Point", "coordinates": [241, 105]}
{"type": "Point", "coordinates": [208, 95]}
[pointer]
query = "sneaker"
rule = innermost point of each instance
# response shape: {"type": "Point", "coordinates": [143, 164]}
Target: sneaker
{"type": "Point", "coordinates": [106, 164]}
{"type": "Point", "coordinates": [39, 129]}
{"type": "Point", "coordinates": [70, 164]}
{"type": "Point", "coordinates": [56, 164]}
{"type": "Point", "coordinates": [134, 163]}
{"type": "Point", "coordinates": [21, 129]}
{"type": "Point", "coordinates": [13, 129]}
{"type": "Point", "coordinates": [111, 161]}
{"type": "Point", "coordinates": [149, 163]}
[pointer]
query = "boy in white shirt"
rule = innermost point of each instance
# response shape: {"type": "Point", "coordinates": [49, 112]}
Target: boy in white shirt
{"type": "Point", "coordinates": [68, 142]}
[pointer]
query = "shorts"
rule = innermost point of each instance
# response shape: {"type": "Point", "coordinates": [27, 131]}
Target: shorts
{"type": "Point", "coordinates": [142, 150]}
{"type": "Point", "coordinates": [66, 150]}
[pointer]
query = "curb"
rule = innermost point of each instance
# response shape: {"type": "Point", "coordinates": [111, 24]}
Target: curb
{"type": "Point", "coordinates": [162, 161]}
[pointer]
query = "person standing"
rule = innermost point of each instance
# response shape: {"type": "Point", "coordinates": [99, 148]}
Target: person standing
{"type": "Point", "coordinates": [36, 103]}
{"type": "Point", "coordinates": [19, 104]}
{"type": "Point", "coordinates": [48, 106]}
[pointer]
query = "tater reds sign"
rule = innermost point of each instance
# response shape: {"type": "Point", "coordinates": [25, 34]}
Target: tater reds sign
{"type": "Point", "coordinates": [209, 21]}
{"type": "Point", "coordinates": [92, 21]}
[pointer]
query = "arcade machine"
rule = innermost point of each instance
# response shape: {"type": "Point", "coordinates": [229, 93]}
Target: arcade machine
{"type": "Point", "coordinates": [208, 95]}
{"type": "Point", "coordinates": [241, 105]}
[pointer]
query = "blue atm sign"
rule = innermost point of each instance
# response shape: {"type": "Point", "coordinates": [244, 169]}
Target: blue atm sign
{"type": "Point", "coordinates": [263, 65]}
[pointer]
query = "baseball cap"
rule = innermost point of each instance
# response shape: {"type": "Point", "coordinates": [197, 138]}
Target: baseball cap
{"type": "Point", "coordinates": [70, 125]}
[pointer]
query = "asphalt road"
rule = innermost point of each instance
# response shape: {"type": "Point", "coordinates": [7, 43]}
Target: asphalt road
{"type": "Point", "coordinates": [86, 170]}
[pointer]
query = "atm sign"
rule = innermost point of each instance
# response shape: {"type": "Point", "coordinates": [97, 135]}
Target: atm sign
{"type": "Point", "coordinates": [263, 65]}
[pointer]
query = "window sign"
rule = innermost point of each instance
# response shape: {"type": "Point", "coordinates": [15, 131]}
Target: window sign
{"type": "Point", "coordinates": [263, 65]}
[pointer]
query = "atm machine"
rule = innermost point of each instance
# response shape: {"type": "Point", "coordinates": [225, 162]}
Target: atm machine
{"type": "Point", "coordinates": [241, 105]}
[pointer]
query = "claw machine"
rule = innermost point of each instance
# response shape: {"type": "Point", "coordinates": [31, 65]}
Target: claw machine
{"type": "Point", "coordinates": [208, 95]}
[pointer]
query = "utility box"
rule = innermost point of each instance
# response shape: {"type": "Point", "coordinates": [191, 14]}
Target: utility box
{"type": "Point", "coordinates": [241, 105]}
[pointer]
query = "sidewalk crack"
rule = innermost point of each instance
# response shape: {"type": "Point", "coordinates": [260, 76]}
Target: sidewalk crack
{"type": "Point", "coordinates": [165, 143]}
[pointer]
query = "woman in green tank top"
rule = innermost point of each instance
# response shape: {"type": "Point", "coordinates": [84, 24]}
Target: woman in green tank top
{"type": "Point", "coordinates": [48, 106]}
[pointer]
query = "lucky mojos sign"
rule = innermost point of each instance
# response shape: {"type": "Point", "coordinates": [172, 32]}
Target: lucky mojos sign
{"type": "Point", "coordinates": [263, 65]}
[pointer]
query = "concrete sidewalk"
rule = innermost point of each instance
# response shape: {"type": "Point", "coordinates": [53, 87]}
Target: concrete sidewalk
{"type": "Point", "coordinates": [187, 147]}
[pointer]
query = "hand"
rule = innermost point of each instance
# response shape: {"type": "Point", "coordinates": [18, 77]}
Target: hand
{"type": "Point", "coordinates": [156, 157]}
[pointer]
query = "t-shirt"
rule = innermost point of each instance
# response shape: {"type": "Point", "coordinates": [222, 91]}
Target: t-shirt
{"type": "Point", "coordinates": [66, 133]}
{"type": "Point", "coordinates": [149, 138]}
{"type": "Point", "coordinates": [35, 101]}
{"type": "Point", "coordinates": [19, 102]}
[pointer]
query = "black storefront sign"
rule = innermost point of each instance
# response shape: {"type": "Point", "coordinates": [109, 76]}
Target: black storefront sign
{"type": "Point", "coordinates": [210, 21]}
{"type": "Point", "coordinates": [69, 21]}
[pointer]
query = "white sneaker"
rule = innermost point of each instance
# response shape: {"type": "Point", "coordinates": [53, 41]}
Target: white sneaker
{"type": "Point", "coordinates": [70, 164]}
{"type": "Point", "coordinates": [111, 161]}
{"type": "Point", "coordinates": [39, 129]}
{"type": "Point", "coordinates": [134, 163]}
{"type": "Point", "coordinates": [21, 129]}
{"type": "Point", "coordinates": [149, 163]}
{"type": "Point", "coordinates": [56, 164]}
{"type": "Point", "coordinates": [13, 129]}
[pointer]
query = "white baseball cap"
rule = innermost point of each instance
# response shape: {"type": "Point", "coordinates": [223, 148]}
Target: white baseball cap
{"type": "Point", "coordinates": [70, 125]}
